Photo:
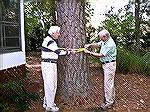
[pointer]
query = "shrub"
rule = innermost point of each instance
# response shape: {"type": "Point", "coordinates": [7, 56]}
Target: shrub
{"type": "Point", "coordinates": [14, 97]}
{"type": "Point", "coordinates": [128, 61]}
{"type": "Point", "coordinates": [145, 63]}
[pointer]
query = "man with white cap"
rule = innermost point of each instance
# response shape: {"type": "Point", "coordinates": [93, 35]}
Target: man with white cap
{"type": "Point", "coordinates": [50, 53]}
{"type": "Point", "coordinates": [107, 57]}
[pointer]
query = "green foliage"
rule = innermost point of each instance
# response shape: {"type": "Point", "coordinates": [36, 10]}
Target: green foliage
{"type": "Point", "coordinates": [23, 100]}
{"type": "Point", "coordinates": [39, 16]}
{"type": "Point", "coordinates": [121, 28]}
{"type": "Point", "coordinates": [145, 63]}
{"type": "Point", "coordinates": [130, 62]}
{"type": "Point", "coordinates": [4, 107]}
{"type": "Point", "coordinates": [121, 25]}
{"type": "Point", "coordinates": [90, 30]}
{"type": "Point", "coordinates": [14, 94]}
{"type": "Point", "coordinates": [93, 59]}
{"type": "Point", "coordinates": [12, 85]}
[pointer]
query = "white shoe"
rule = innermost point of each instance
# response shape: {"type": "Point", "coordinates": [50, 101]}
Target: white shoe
{"type": "Point", "coordinates": [52, 109]}
{"type": "Point", "coordinates": [44, 106]}
{"type": "Point", "coordinates": [104, 106]}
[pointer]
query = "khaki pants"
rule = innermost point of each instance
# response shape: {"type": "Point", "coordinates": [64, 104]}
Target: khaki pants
{"type": "Point", "coordinates": [49, 73]}
{"type": "Point", "coordinates": [109, 75]}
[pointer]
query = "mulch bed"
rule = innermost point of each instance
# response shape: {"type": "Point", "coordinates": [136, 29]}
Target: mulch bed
{"type": "Point", "coordinates": [132, 91]}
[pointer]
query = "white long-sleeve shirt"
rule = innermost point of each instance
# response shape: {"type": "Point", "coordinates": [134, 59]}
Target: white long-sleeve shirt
{"type": "Point", "coordinates": [50, 49]}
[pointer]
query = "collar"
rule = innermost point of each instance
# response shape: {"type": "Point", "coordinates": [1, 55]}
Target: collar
{"type": "Point", "coordinates": [56, 40]}
{"type": "Point", "coordinates": [106, 40]}
{"type": "Point", "coordinates": [49, 35]}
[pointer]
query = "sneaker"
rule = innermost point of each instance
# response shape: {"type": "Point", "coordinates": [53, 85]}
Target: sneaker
{"type": "Point", "coordinates": [44, 105]}
{"type": "Point", "coordinates": [105, 106]}
{"type": "Point", "coordinates": [52, 109]}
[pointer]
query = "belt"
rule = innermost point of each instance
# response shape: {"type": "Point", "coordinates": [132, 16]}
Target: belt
{"type": "Point", "coordinates": [50, 60]}
{"type": "Point", "coordinates": [107, 61]}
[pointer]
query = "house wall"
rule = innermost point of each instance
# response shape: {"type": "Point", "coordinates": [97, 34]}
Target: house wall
{"type": "Point", "coordinates": [9, 60]}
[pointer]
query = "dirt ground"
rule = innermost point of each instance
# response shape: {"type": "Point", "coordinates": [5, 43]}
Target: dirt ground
{"type": "Point", "coordinates": [132, 92]}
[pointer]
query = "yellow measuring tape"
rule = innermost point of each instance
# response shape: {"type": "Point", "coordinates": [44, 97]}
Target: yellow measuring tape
{"type": "Point", "coordinates": [77, 50]}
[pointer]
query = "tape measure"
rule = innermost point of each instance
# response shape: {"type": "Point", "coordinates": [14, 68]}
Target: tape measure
{"type": "Point", "coordinates": [77, 50]}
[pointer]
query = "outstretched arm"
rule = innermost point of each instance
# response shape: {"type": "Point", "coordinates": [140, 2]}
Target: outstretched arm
{"type": "Point", "coordinates": [93, 53]}
{"type": "Point", "coordinates": [93, 45]}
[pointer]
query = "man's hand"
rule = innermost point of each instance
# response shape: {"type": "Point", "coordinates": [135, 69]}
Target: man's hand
{"type": "Point", "coordinates": [70, 50]}
{"type": "Point", "coordinates": [73, 51]}
{"type": "Point", "coordinates": [87, 51]}
{"type": "Point", "coordinates": [87, 45]}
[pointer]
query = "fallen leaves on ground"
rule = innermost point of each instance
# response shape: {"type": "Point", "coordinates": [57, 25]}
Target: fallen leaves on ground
{"type": "Point", "coordinates": [131, 92]}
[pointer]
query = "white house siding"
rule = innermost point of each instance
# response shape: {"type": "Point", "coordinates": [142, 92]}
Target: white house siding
{"type": "Point", "coordinates": [8, 60]}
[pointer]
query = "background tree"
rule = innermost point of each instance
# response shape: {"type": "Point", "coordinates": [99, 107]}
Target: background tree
{"type": "Point", "coordinates": [73, 69]}
{"type": "Point", "coordinates": [137, 25]}
{"type": "Point", "coordinates": [140, 12]}
{"type": "Point", "coordinates": [39, 15]}
{"type": "Point", "coordinates": [90, 30]}
{"type": "Point", "coordinates": [126, 28]}
{"type": "Point", "coordinates": [122, 26]}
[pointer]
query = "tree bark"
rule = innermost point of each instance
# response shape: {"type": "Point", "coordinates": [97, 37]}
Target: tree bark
{"type": "Point", "coordinates": [137, 25]}
{"type": "Point", "coordinates": [73, 71]}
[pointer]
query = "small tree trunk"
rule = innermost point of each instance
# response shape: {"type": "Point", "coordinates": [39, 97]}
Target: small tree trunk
{"type": "Point", "coordinates": [137, 25]}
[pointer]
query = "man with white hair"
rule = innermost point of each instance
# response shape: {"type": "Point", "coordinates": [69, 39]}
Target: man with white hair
{"type": "Point", "coordinates": [107, 57]}
{"type": "Point", "coordinates": [50, 53]}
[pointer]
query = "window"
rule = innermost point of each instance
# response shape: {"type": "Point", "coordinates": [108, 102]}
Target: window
{"type": "Point", "coordinates": [9, 26]}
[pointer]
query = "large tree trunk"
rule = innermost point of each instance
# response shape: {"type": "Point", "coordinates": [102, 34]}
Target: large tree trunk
{"type": "Point", "coordinates": [72, 69]}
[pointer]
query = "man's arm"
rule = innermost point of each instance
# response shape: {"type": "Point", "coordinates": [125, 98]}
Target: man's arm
{"type": "Point", "coordinates": [93, 53]}
{"type": "Point", "coordinates": [93, 45]}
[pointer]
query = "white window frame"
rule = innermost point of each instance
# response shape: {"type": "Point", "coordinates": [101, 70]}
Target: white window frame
{"type": "Point", "coordinates": [12, 59]}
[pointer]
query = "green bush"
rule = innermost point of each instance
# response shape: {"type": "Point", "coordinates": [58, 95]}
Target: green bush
{"type": "Point", "coordinates": [130, 62]}
{"type": "Point", "coordinates": [14, 97]}
{"type": "Point", "coordinates": [23, 100]}
{"type": "Point", "coordinates": [145, 63]}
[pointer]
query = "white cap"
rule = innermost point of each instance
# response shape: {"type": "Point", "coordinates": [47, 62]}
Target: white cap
{"type": "Point", "coordinates": [103, 32]}
{"type": "Point", "coordinates": [53, 29]}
